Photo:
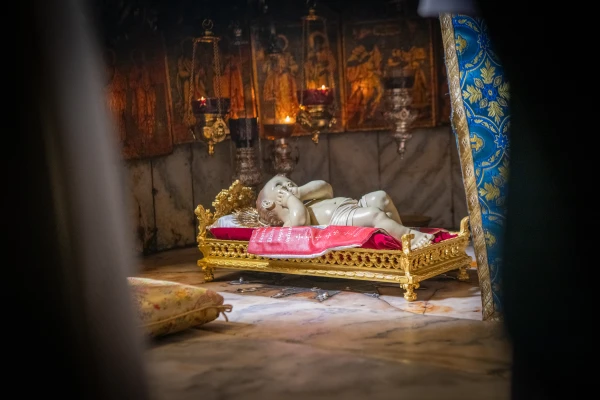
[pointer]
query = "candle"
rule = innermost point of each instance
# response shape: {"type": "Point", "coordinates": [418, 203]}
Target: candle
{"type": "Point", "coordinates": [211, 105]}
{"type": "Point", "coordinates": [319, 96]}
{"type": "Point", "coordinates": [287, 120]}
{"type": "Point", "coordinates": [283, 127]}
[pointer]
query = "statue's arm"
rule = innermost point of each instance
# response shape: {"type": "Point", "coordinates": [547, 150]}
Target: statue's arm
{"type": "Point", "coordinates": [298, 214]}
{"type": "Point", "coordinates": [315, 190]}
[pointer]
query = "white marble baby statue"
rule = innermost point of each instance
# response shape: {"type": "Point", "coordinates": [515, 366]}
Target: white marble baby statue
{"type": "Point", "coordinates": [283, 203]}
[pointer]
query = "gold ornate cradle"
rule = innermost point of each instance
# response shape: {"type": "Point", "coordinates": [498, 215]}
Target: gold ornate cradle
{"type": "Point", "coordinates": [405, 267]}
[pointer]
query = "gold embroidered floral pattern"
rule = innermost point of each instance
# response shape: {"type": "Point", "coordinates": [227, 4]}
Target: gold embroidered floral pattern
{"type": "Point", "coordinates": [165, 307]}
{"type": "Point", "coordinates": [476, 142]}
{"type": "Point", "coordinates": [461, 43]}
{"type": "Point", "coordinates": [481, 120]}
{"type": "Point", "coordinates": [489, 91]}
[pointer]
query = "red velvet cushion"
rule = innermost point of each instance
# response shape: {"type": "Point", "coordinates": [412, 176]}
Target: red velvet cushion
{"type": "Point", "coordinates": [381, 241]}
{"type": "Point", "coordinates": [378, 241]}
{"type": "Point", "coordinates": [232, 233]}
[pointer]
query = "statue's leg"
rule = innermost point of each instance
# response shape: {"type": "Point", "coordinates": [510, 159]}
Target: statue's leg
{"type": "Point", "coordinates": [383, 201]}
{"type": "Point", "coordinates": [409, 293]}
{"type": "Point", "coordinates": [462, 273]}
{"type": "Point", "coordinates": [375, 218]}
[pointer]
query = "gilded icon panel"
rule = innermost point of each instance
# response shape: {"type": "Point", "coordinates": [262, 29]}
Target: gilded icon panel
{"type": "Point", "coordinates": [187, 80]}
{"type": "Point", "coordinates": [137, 96]}
{"type": "Point", "coordinates": [281, 79]}
{"type": "Point", "coordinates": [370, 50]}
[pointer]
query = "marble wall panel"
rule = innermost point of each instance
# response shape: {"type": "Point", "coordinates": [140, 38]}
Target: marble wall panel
{"type": "Point", "coordinates": [211, 174]}
{"type": "Point", "coordinates": [354, 163]}
{"type": "Point", "coordinates": [138, 188]}
{"type": "Point", "coordinates": [313, 161]}
{"type": "Point", "coordinates": [420, 183]}
{"type": "Point", "coordinates": [173, 199]}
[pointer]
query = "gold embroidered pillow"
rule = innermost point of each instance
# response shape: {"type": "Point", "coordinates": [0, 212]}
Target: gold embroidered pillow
{"type": "Point", "coordinates": [166, 307]}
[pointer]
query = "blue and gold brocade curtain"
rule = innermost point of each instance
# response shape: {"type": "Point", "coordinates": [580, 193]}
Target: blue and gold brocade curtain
{"type": "Point", "coordinates": [481, 124]}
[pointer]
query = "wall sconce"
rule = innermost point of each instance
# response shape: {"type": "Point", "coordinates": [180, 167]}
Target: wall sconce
{"type": "Point", "coordinates": [398, 86]}
{"type": "Point", "coordinates": [207, 117]}
{"type": "Point", "coordinates": [317, 108]}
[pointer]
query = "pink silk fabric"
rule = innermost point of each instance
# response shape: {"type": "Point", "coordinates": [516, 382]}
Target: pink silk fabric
{"type": "Point", "coordinates": [304, 241]}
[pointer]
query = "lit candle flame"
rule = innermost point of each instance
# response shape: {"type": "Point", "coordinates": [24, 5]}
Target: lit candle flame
{"type": "Point", "coordinates": [287, 119]}
{"type": "Point", "coordinates": [202, 98]}
{"type": "Point", "coordinates": [323, 87]}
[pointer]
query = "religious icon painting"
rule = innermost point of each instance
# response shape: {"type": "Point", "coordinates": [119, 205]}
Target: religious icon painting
{"type": "Point", "coordinates": [137, 96]}
{"type": "Point", "coordinates": [294, 67]}
{"type": "Point", "coordinates": [187, 81]}
{"type": "Point", "coordinates": [372, 50]}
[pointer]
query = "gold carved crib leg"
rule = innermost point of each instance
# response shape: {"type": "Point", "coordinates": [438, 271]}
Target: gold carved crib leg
{"type": "Point", "coordinates": [409, 293]}
{"type": "Point", "coordinates": [208, 273]}
{"type": "Point", "coordinates": [462, 274]}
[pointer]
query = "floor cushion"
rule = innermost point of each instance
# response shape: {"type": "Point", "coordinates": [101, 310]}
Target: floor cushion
{"type": "Point", "coordinates": [166, 307]}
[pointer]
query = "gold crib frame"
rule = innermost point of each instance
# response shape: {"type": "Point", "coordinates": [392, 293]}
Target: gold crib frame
{"type": "Point", "coordinates": [406, 267]}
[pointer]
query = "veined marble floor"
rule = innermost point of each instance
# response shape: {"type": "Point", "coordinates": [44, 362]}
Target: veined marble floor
{"type": "Point", "coordinates": [363, 341]}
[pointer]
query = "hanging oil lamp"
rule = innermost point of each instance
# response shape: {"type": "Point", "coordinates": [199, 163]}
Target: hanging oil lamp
{"type": "Point", "coordinates": [242, 124]}
{"type": "Point", "coordinates": [317, 96]}
{"type": "Point", "coordinates": [209, 114]}
{"type": "Point", "coordinates": [278, 118]}
{"type": "Point", "coordinates": [398, 86]}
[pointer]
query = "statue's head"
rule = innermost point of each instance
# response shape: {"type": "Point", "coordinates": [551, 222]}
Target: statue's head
{"type": "Point", "coordinates": [265, 202]}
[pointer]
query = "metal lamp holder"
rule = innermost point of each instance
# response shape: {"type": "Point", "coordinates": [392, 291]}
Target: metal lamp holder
{"type": "Point", "coordinates": [315, 118]}
{"type": "Point", "coordinates": [247, 168]}
{"type": "Point", "coordinates": [211, 122]}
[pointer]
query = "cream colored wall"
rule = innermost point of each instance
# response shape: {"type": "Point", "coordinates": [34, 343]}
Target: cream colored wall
{"type": "Point", "coordinates": [165, 190]}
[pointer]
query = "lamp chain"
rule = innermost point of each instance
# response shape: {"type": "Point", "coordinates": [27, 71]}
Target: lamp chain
{"type": "Point", "coordinates": [217, 63]}
{"type": "Point", "coordinates": [190, 119]}
{"type": "Point", "coordinates": [248, 133]}
{"type": "Point", "coordinates": [302, 62]}
{"type": "Point", "coordinates": [326, 33]}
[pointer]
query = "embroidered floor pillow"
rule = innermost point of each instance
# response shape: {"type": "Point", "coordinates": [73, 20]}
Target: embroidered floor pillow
{"type": "Point", "coordinates": [166, 307]}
